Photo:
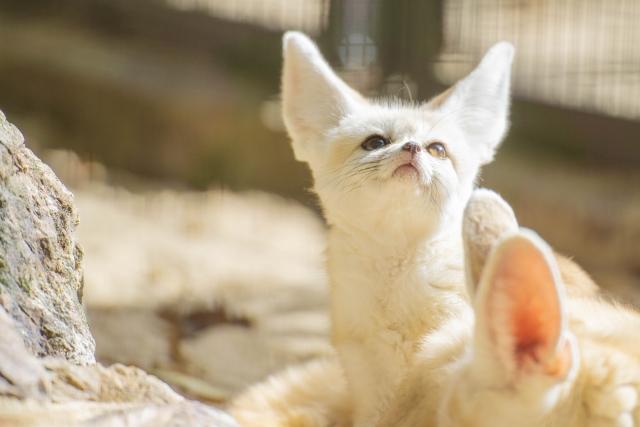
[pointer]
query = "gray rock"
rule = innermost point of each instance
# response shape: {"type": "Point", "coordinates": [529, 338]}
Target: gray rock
{"type": "Point", "coordinates": [40, 260]}
{"type": "Point", "coordinates": [21, 375]}
{"type": "Point", "coordinates": [48, 374]}
{"type": "Point", "coordinates": [54, 392]}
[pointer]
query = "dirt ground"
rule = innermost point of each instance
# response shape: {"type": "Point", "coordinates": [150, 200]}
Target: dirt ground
{"type": "Point", "coordinates": [209, 291]}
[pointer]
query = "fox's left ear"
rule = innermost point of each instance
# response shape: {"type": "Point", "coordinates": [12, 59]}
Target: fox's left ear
{"type": "Point", "coordinates": [521, 326]}
{"type": "Point", "coordinates": [480, 102]}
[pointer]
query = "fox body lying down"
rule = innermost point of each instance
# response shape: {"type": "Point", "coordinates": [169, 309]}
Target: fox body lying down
{"type": "Point", "coordinates": [530, 355]}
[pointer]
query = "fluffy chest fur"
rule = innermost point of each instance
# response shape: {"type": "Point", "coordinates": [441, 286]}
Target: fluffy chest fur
{"type": "Point", "coordinates": [408, 292]}
{"type": "Point", "coordinates": [383, 304]}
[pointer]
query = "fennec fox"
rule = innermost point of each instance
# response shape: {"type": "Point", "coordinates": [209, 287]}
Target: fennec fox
{"type": "Point", "coordinates": [393, 179]}
{"type": "Point", "coordinates": [528, 355]}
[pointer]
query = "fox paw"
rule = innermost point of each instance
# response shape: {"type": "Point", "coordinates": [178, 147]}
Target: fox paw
{"type": "Point", "coordinates": [617, 407]}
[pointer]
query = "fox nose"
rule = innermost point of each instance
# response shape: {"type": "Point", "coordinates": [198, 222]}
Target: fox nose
{"type": "Point", "coordinates": [411, 147]}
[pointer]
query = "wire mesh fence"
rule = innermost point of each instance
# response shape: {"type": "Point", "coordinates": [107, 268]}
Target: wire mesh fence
{"type": "Point", "coordinates": [582, 54]}
{"type": "Point", "coordinates": [307, 15]}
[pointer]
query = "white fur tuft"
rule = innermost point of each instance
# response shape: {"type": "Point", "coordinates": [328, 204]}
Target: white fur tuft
{"type": "Point", "coordinates": [487, 219]}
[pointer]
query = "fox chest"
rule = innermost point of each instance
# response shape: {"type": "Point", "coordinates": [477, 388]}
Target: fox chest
{"type": "Point", "coordinates": [387, 317]}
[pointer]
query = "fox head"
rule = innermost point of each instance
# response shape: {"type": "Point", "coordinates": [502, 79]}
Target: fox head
{"type": "Point", "coordinates": [377, 163]}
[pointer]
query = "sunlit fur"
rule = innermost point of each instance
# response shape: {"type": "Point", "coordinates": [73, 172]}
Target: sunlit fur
{"type": "Point", "coordinates": [394, 255]}
{"type": "Point", "coordinates": [464, 377]}
{"type": "Point", "coordinates": [310, 395]}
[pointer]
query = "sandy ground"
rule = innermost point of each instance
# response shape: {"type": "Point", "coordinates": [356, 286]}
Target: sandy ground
{"type": "Point", "coordinates": [210, 291]}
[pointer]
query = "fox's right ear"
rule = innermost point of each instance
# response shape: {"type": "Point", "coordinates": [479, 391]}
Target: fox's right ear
{"type": "Point", "coordinates": [314, 98]}
{"type": "Point", "coordinates": [521, 326]}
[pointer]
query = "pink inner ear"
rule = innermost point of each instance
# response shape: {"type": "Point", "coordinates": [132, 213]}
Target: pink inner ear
{"type": "Point", "coordinates": [524, 287]}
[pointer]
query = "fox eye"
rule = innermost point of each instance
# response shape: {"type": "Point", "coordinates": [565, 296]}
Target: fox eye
{"type": "Point", "coordinates": [374, 142]}
{"type": "Point", "coordinates": [436, 149]}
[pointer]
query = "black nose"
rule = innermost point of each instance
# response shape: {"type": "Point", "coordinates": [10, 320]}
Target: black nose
{"type": "Point", "coordinates": [412, 147]}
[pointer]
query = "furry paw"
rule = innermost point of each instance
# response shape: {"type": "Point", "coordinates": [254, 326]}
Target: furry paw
{"type": "Point", "coordinates": [617, 407]}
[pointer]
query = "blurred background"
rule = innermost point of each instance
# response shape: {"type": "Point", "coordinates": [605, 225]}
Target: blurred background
{"type": "Point", "coordinates": [203, 246]}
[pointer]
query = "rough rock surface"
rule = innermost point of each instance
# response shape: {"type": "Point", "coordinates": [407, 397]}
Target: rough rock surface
{"type": "Point", "coordinates": [55, 392]}
{"type": "Point", "coordinates": [48, 376]}
{"type": "Point", "coordinates": [40, 261]}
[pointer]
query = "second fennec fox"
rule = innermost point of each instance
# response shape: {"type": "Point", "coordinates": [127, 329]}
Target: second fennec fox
{"type": "Point", "coordinates": [535, 357]}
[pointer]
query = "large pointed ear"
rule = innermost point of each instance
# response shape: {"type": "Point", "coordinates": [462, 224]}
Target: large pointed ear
{"type": "Point", "coordinates": [520, 317]}
{"type": "Point", "coordinates": [314, 98]}
{"type": "Point", "coordinates": [487, 219]}
{"type": "Point", "coordinates": [480, 102]}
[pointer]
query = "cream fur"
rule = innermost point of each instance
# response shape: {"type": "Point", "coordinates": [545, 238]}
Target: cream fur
{"type": "Point", "coordinates": [310, 395]}
{"type": "Point", "coordinates": [394, 254]}
{"type": "Point", "coordinates": [462, 377]}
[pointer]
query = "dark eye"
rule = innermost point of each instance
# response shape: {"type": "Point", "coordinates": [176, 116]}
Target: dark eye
{"type": "Point", "coordinates": [374, 142]}
{"type": "Point", "coordinates": [436, 149]}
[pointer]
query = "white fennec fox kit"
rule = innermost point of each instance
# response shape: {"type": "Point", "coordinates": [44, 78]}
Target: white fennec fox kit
{"type": "Point", "coordinates": [535, 357]}
{"type": "Point", "coordinates": [393, 179]}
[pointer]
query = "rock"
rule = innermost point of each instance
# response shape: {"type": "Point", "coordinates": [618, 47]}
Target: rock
{"type": "Point", "coordinates": [89, 414]}
{"type": "Point", "coordinates": [117, 383]}
{"type": "Point", "coordinates": [48, 374]}
{"type": "Point", "coordinates": [21, 376]}
{"type": "Point", "coordinates": [40, 260]}
{"type": "Point", "coordinates": [55, 392]}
